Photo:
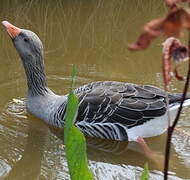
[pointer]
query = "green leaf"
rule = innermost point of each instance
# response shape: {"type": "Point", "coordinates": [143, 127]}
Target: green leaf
{"type": "Point", "coordinates": [73, 75]}
{"type": "Point", "coordinates": [75, 144]}
{"type": "Point", "coordinates": [145, 174]}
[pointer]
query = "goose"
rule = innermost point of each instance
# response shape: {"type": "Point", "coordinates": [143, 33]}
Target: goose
{"type": "Point", "coordinates": [107, 109]}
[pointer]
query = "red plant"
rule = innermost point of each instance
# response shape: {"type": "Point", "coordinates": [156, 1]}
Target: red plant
{"type": "Point", "coordinates": [172, 49]}
{"type": "Point", "coordinates": [171, 25]}
{"type": "Point", "coordinates": [173, 3]}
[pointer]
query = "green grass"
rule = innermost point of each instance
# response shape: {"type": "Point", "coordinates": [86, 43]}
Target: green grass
{"type": "Point", "coordinates": [145, 174]}
{"type": "Point", "coordinates": [75, 143]}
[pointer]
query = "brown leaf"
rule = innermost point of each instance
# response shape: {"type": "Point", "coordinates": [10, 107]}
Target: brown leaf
{"type": "Point", "coordinates": [167, 64]}
{"type": "Point", "coordinates": [167, 69]}
{"type": "Point", "coordinates": [172, 48]}
{"type": "Point", "coordinates": [179, 53]}
{"type": "Point", "coordinates": [169, 26]}
{"type": "Point", "coordinates": [142, 43]}
{"type": "Point", "coordinates": [173, 3]}
{"type": "Point", "coordinates": [151, 31]}
{"type": "Point", "coordinates": [177, 75]}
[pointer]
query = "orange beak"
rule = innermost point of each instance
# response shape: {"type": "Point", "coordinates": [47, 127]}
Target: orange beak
{"type": "Point", "coordinates": [12, 30]}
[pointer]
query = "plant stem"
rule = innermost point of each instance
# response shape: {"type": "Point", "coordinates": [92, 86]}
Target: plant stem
{"type": "Point", "coordinates": [171, 128]}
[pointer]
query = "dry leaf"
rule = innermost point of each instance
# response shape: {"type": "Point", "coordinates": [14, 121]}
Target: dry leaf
{"type": "Point", "coordinates": [173, 3]}
{"type": "Point", "coordinates": [179, 53]}
{"type": "Point", "coordinates": [172, 49]}
{"type": "Point", "coordinates": [177, 75]}
{"type": "Point", "coordinates": [143, 42]}
{"type": "Point", "coordinates": [169, 26]}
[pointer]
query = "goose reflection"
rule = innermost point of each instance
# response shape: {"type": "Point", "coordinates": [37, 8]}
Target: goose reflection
{"type": "Point", "coordinates": [98, 150]}
{"type": "Point", "coordinates": [132, 154]}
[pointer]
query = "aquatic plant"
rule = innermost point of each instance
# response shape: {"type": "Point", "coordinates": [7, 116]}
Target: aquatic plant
{"type": "Point", "coordinates": [74, 140]}
{"type": "Point", "coordinates": [177, 18]}
{"type": "Point", "coordinates": [145, 173]}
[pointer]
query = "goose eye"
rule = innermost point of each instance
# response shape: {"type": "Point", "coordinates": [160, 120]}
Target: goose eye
{"type": "Point", "coordinates": [25, 40]}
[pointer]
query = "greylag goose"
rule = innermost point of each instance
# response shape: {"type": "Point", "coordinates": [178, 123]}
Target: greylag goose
{"type": "Point", "coordinates": [109, 109]}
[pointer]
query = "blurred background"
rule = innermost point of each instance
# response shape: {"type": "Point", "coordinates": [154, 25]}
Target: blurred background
{"type": "Point", "coordinates": [93, 34]}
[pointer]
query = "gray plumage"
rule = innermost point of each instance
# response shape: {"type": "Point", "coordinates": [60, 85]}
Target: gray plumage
{"type": "Point", "coordinates": [111, 110]}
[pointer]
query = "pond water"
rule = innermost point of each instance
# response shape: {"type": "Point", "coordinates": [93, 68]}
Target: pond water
{"type": "Point", "coordinates": [93, 34]}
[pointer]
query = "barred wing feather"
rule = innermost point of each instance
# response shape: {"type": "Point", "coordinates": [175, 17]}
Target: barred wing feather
{"type": "Point", "coordinates": [108, 109]}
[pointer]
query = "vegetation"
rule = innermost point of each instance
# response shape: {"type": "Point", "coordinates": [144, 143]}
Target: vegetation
{"type": "Point", "coordinates": [175, 20]}
{"type": "Point", "coordinates": [74, 140]}
{"type": "Point", "coordinates": [145, 174]}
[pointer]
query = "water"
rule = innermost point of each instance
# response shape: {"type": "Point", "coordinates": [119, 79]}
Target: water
{"type": "Point", "coordinates": [94, 36]}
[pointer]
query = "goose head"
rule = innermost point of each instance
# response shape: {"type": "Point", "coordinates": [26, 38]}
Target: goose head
{"type": "Point", "coordinates": [30, 50]}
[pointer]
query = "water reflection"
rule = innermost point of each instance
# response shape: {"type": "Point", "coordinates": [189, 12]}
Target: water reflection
{"type": "Point", "coordinates": [39, 154]}
{"type": "Point", "coordinates": [102, 153]}
{"type": "Point", "coordinates": [29, 165]}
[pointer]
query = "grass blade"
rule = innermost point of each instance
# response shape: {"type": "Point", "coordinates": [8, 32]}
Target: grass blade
{"type": "Point", "coordinates": [145, 174]}
{"type": "Point", "coordinates": [74, 140]}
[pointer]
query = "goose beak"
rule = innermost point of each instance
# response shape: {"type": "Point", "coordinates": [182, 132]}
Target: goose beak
{"type": "Point", "coordinates": [12, 30]}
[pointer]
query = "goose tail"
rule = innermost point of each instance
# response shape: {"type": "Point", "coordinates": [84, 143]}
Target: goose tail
{"type": "Point", "coordinates": [186, 103]}
{"type": "Point", "coordinates": [175, 99]}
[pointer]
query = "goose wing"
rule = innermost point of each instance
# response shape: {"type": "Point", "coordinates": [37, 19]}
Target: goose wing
{"type": "Point", "coordinates": [107, 109]}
